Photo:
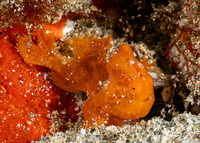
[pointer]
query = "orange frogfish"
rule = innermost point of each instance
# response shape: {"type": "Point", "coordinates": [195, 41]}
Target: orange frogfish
{"type": "Point", "coordinates": [118, 89]}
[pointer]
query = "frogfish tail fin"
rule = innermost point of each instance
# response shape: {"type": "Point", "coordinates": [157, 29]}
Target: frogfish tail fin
{"type": "Point", "coordinates": [38, 48]}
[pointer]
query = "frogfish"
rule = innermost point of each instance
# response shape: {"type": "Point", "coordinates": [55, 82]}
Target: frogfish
{"type": "Point", "coordinates": [118, 88]}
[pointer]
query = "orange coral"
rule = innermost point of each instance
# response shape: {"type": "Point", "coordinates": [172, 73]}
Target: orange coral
{"type": "Point", "coordinates": [27, 96]}
{"type": "Point", "coordinates": [129, 93]}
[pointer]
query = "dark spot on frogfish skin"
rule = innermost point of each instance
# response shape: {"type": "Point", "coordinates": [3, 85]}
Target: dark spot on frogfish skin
{"type": "Point", "coordinates": [146, 99]}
